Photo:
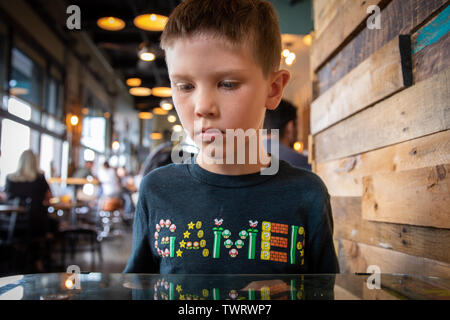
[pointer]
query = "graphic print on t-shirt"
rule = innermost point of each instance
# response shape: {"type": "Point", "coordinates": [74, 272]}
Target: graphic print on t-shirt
{"type": "Point", "coordinates": [278, 242]}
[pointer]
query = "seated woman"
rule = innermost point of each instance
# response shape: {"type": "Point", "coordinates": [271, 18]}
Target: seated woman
{"type": "Point", "coordinates": [29, 185]}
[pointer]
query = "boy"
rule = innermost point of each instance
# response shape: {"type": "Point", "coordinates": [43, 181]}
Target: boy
{"type": "Point", "coordinates": [211, 216]}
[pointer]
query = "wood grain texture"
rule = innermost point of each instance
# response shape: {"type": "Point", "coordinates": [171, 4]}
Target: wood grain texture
{"type": "Point", "coordinates": [343, 177]}
{"type": "Point", "coordinates": [431, 46]}
{"type": "Point", "coordinates": [415, 197]}
{"type": "Point", "coordinates": [348, 20]}
{"type": "Point", "coordinates": [412, 113]}
{"type": "Point", "coordinates": [385, 72]}
{"type": "Point", "coordinates": [398, 17]}
{"type": "Point", "coordinates": [356, 257]}
{"type": "Point", "coordinates": [431, 243]}
{"type": "Point", "coordinates": [324, 12]}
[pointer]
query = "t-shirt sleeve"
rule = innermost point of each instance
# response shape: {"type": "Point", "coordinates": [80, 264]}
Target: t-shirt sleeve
{"type": "Point", "coordinates": [141, 259]}
{"type": "Point", "coordinates": [323, 257]}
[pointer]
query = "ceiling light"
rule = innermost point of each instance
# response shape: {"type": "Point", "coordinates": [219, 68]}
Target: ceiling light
{"type": "Point", "coordinates": [147, 56]}
{"type": "Point", "coordinates": [134, 82]}
{"type": "Point", "coordinates": [145, 115]}
{"type": "Point", "coordinates": [171, 118]}
{"type": "Point", "coordinates": [140, 91]}
{"type": "Point", "coordinates": [298, 146]}
{"type": "Point", "coordinates": [290, 59]}
{"type": "Point", "coordinates": [116, 145]}
{"type": "Point", "coordinates": [165, 105]}
{"type": "Point", "coordinates": [307, 40]}
{"type": "Point", "coordinates": [159, 111]}
{"type": "Point", "coordinates": [151, 22]}
{"type": "Point", "coordinates": [177, 128]}
{"type": "Point", "coordinates": [285, 53]}
{"type": "Point", "coordinates": [156, 135]}
{"type": "Point", "coordinates": [74, 120]}
{"type": "Point", "coordinates": [162, 92]}
{"type": "Point", "coordinates": [111, 23]}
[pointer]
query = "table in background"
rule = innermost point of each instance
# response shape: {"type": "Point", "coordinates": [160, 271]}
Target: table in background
{"type": "Point", "coordinates": [102, 286]}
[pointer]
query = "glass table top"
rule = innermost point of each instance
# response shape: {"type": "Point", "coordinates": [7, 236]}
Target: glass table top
{"type": "Point", "coordinates": [102, 286]}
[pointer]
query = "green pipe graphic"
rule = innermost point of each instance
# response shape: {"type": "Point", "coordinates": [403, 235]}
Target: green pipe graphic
{"type": "Point", "coordinates": [172, 247]}
{"type": "Point", "coordinates": [293, 290]}
{"type": "Point", "coordinates": [216, 247]}
{"type": "Point", "coordinates": [251, 294]}
{"type": "Point", "coordinates": [216, 294]}
{"type": "Point", "coordinates": [252, 245]}
{"type": "Point", "coordinates": [171, 290]}
{"type": "Point", "coordinates": [294, 230]}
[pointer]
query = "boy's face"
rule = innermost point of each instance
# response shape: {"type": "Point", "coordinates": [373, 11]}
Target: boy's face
{"type": "Point", "coordinates": [216, 85]}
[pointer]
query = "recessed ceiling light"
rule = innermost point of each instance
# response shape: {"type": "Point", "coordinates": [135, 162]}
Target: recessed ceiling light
{"type": "Point", "coordinates": [163, 92]}
{"type": "Point", "coordinates": [151, 22]}
{"type": "Point", "coordinates": [159, 111]}
{"type": "Point", "coordinates": [134, 82]}
{"type": "Point", "coordinates": [145, 115]}
{"type": "Point", "coordinates": [140, 91]}
{"type": "Point", "coordinates": [111, 23]}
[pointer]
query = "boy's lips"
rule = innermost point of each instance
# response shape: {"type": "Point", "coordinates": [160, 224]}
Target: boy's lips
{"type": "Point", "coordinates": [209, 134]}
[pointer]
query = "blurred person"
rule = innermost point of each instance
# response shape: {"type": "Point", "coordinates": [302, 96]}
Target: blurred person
{"type": "Point", "coordinates": [85, 171]}
{"type": "Point", "coordinates": [109, 181]}
{"type": "Point", "coordinates": [284, 118]}
{"type": "Point", "coordinates": [28, 184]}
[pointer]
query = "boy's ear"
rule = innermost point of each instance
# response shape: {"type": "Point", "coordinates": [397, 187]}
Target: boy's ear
{"type": "Point", "coordinates": [279, 80]}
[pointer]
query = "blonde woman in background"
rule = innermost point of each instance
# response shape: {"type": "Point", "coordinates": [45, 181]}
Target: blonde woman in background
{"type": "Point", "coordinates": [29, 185]}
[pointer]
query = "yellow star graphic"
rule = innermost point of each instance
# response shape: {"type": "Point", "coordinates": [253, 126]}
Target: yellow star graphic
{"type": "Point", "coordinates": [187, 234]}
{"type": "Point", "coordinates": [182, 244]}
{"type": "Point", "coordinates": [191, 225]}
{"type": "Point", "coordinates": [179, 288]}
{"type": "Point", "coordinates": [182, 297]}
{"type": "Point", "coordinates": [179, 253]}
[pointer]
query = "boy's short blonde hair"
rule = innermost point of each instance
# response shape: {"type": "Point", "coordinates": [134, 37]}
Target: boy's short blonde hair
{"type": "Point", "coordinates": [237, 21]}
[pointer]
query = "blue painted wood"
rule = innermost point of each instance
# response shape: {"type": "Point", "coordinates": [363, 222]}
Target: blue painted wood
{"type": "Point", "coordinates": [433, 31]}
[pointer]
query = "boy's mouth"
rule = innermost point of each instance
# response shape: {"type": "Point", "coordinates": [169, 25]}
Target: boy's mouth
{"type": "Point", "coordinates": [209, 134]}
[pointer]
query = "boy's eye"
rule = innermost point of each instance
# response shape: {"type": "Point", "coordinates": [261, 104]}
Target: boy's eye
{"type": "Point", "coordinates": [184, 86]}
{"type": "Point", "coordinates": [229, 85]}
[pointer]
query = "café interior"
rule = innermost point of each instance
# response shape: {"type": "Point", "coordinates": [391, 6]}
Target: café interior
{"type": "Point", "coordinates": [85, 100]}
{"type": "Point", "coordinates": [83, 84]}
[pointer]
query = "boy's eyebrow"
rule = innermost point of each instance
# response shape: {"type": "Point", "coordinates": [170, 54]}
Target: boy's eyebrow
{"type": "Point", "coordinates": [216, 74]}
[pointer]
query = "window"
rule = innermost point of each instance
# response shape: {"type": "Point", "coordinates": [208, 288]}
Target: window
{"type": "Point", "coordinates": [27, 77]}
{"type": "Point", "coordinates": [15, 139]}
{"type": "Point", "coordinates": [94, 133]}
{"type": "Point", "coordinates": [50, 156]}
{"type": "Point", "coordinates": [54, 98]}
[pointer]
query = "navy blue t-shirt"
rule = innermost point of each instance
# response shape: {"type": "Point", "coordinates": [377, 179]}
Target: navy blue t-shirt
{"type": "Point", "coordinates": [190, 220]}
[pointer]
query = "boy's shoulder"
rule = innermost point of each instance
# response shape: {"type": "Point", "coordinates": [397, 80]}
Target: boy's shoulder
{"type": "Point", "coordinates": [304, 183]}
{"type": "Point", "coordinates": [164, 174]}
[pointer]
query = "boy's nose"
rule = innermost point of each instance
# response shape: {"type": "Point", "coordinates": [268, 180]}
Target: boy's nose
{"type": "Point", "coordinates": [205, 104]}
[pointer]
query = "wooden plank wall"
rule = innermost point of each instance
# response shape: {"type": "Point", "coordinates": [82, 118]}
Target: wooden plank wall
{"type": "Point", "coordinates": [380, 132]}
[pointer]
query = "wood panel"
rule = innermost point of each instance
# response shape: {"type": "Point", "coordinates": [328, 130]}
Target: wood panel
{"type": "Point", "coordinates": [431, 47]}
{"type": "Point", "coordinates": [385, 72]}
{"type": "Point", "coordinates": [356, 257]}
{"type": "Point", "coordinates": [399, 17]}
{"type": "Point", "coordinates": [348, 20]}
{"type": "Point", "coordinates": [324, 11]}
{"type": "Point", "coordinates": [426, 242]}
{"type": "Point", "coordinates": [344, 177]}
{"type": "Point", "coordinates": [414, 112]}
{"type": "Point", "coordinates": [417, 197]}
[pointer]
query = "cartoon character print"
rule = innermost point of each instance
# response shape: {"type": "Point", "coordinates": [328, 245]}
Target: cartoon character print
{"type": "Point", "coordinates": [193, 240]}
{"type": "Point", "coordinates": [164, 235]}
{"type": "Point", "coordinates": [234, 245]}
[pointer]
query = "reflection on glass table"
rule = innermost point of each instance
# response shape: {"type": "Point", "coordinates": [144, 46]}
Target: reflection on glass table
{"type": "Point", "coordinates": [88, 286]}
